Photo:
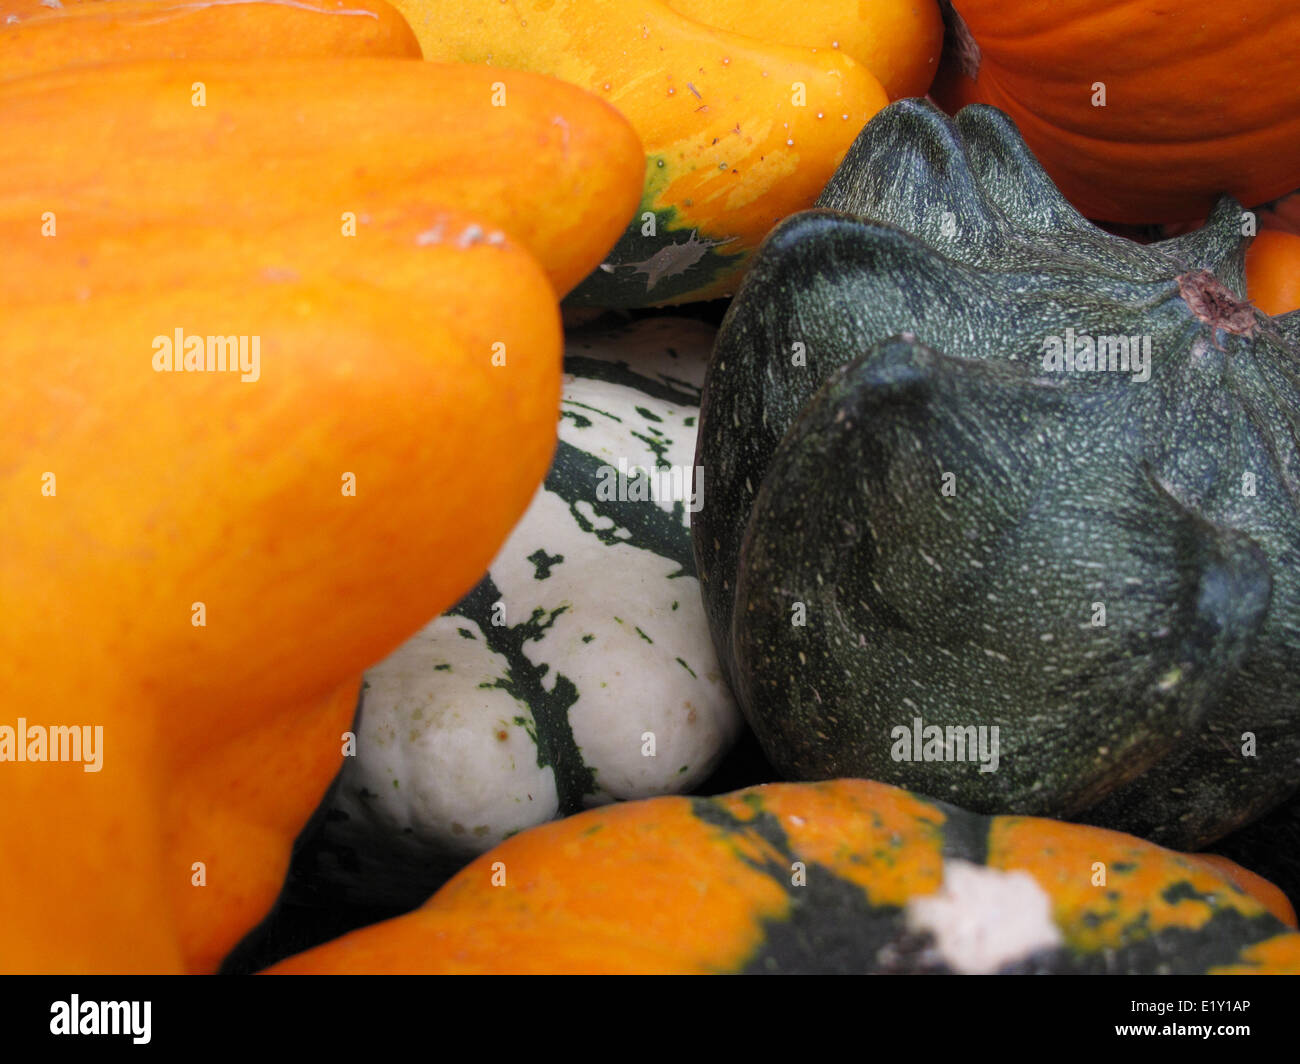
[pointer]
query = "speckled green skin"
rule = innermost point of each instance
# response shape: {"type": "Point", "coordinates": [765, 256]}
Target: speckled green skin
{"type": "Point", "coordinates": [975, 607]}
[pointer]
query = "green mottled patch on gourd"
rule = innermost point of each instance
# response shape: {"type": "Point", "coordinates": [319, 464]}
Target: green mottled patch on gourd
{"type": "Point", "coordinates": [651, 265]}
{"type": "Point", "coordinates": [543, 562]}
{"type": "Point", "coordinates": [663, 388]}
{"type": "Point", "coordinates": [1184, 891]}
{"type": "Point", "coordinates": [966, 837]}
{"type": "Point", "coordinates": [831, 927]}
{"type": "Point", "coordinates": [572, 475]}
{"type": "Point", "coordinates": [585, 422]}
{"type": "Point", "coordinates": [658, 446]}
{"type": "Point", "coordinates": [551, 732]}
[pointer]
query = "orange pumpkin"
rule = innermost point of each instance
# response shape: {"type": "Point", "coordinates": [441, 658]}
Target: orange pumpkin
{"type": "Point", "coordinates": [89, 33]}
{"type": "Point", "coordinates": [1283, 214]}
{"type": "Point", "coordinates": [1273, 271]}
{"type": "Point", "coordinates": [847, 875]}
{"type": "Point", "coordinates": [1140, 112]}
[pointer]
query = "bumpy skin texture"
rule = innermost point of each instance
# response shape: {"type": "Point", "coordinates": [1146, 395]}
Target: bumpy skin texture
{"type": "Point", "coordinates": [976, 606]}
{"type": "Point", "coordinates": [845, 876]}
{"type": "Point", "coordinates": [1202, 97]}
{"type": "Point", "coordinates": [90, 33]}
{"type": "Point", "coordinates": [729, 151]}
{"type": "Point", "coordinates": [556, 169]}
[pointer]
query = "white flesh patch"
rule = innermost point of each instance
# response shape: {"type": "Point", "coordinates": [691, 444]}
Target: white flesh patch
{"type": "Point", "coordinates": [983, 919]}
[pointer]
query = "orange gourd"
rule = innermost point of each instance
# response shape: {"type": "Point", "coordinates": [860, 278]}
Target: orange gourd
{"type": "Point", "coordinates": [89, 33]}
{"type": "Point", "coordinates": [14, 11]}
{"type": "Point", "coordinates": [260, 141]}
{"type": "Point", "coordinates": [237, 809]}
{"type": "Point", "coordinates": [1259, 888]}
{"type": "Point", "coordinates": [1141, 113]}
{"type": "Point", "coordinates": [1273, 271]}
{"type": "Point", "coordinates": [203, 563]}
{"type": "Point", "coordinates": [847, 875]}
{"type": "Point", "coordinates": [899, 41]}
{"type": "Point", "coordinates": [133, 495]}
{"type": "Point", "coordinates": [394, 247]}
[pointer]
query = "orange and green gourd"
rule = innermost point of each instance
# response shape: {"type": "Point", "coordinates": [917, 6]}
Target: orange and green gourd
{"type": "Point", "coordinates": [835, 877]}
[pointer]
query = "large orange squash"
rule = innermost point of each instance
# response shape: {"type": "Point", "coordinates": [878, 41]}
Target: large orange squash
{"type": "Point", "coordinates": [203, 562]}
{"type": "Point", "coordinates": [89, 33]}
{"type": "Point", "coordinates": [843, 876]}
{"type": "Point", "coordinates": [236, 810]}
{"type": "Point", "coordinates": [14, 11]}
{"type": "Point", "coordinates": [1142, 112]}
{"type": "Point", "coordinates": [401, 246]}
{"type": "Point", "coordinates": [250, 143]}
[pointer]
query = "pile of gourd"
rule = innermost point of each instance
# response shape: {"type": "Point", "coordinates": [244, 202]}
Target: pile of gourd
{"type": "Point", "coordinates": [978, 511]}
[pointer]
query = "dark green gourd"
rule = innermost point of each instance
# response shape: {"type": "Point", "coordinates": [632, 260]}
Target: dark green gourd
{"type": "Point", "coordinates": [909, 515]}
